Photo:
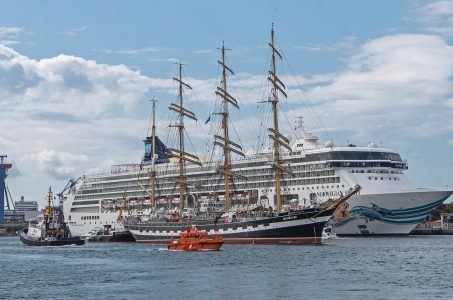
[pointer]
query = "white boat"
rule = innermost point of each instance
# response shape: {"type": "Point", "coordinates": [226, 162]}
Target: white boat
{"type": "Point", "coordinates": [327, 233]}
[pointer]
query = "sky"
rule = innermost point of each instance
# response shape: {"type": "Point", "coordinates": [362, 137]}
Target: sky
{"type": "Point", "coordinates": [76, 77]}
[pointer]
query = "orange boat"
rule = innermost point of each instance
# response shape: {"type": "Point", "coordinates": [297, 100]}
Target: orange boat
{"type": "Point", "coordinates": [195, 240]}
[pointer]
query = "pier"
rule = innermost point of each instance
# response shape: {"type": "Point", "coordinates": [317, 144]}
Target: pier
{"type": "Point", "coordinates": [444, 226]}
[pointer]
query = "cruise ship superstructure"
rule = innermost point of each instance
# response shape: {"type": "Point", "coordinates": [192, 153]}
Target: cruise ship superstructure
{"type": "Point", "coordinates": [388, 203]}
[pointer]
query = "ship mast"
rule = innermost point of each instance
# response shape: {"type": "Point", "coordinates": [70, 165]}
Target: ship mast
{"type": "Point", "coordinates": [49, 208]}
{"type": "Point", "coordinates": [224, 141]}
{"type": "Point", "coordinates": [278, 139]}
{"type": "Point", "coordinates": [152, 173]}
{"type": "Point", "coordinates": [182, 156]}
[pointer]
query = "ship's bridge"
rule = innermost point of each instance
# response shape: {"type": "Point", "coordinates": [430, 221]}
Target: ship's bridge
{"type": "Point", "coordinates": [358, 157]}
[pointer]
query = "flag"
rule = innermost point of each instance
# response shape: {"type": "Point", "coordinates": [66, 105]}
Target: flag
{"type": "Point", "coordinates": [207, 121]}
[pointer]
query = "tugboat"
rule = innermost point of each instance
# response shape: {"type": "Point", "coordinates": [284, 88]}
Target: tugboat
{"type": "Point", "coordinates": [48, 229]}
{"type": "Point", "coordinates": [195, 240]}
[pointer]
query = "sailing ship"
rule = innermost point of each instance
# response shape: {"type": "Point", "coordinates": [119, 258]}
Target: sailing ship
{"type": "Point", "coordinates": [259, 226]}
{"type": "Point", "coordinates": [49, 229]}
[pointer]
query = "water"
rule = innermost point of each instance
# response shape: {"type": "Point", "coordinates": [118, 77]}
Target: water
{"type": "Point", "coordinates": [343, 268]}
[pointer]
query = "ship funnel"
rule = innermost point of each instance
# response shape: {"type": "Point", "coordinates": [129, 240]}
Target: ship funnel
{"type": "Point", "coordinates": [162, 151]}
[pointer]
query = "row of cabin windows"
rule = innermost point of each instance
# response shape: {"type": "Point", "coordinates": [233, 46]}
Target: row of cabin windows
{"type": "Point", "coordinates": [92, 209]}
{"type": "Point", "coordinates": [355, 155]}
{"type": "Point", "coordinates": [378, 171]}
{"type": "Point", "coordinates": [90, 217]}
{"type": "Point", "coordinates": [373, 164]}
{"type": "Point", "coordinates": [383, 178]}
{"type": "Point", "coordinates": [308, 188]}
{"type": "Point", "coordinates": [85, 202]}
{"type": "Point", "coordinates": [139, 192]}
{"type": "Point", "coordinates": [253, 174]}
{"type": "Point", "coordinates": [243, 172]}
{"type": "Point", "coordinates": [203, 182]}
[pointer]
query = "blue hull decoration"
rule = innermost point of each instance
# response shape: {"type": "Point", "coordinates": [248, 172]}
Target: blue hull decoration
{"type": "Point", "coordinates": [398, 216]}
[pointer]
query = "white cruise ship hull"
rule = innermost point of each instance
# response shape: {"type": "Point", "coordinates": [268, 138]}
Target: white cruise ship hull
{"type": "Point", "coordinates": [388, 213]}
{"type": "Point", "coordinates": [388, 204]}
{"type": "Point", "coordinates": [82, 228]}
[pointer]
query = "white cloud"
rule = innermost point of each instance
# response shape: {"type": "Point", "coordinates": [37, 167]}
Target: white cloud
{"type": "Point", "coordinates": [9, 42]}
{"type": "Point", "coordinates": [59, 165]}
{"type": "Point", "coordinates": [8, 31]}
{"type": "Point", "coordinates": [202, 51]}
{"type": "Point", "coordinates": [9, 35]}
{"type": "Point", "coordinates": [68, 84]}
{"type": "Point", "coordinates": [132, 51]}
{"type": "Point", "coordinates": [65, 115]}
{"type": "Point", "coordinates": [346, 43]}
{"type": "Point", "coordinates": [4, 143]}
{"type": "Point", "coordinates": [74, 31]}
{"type": "Point", "coordinates": [438, 16]}
{"type": "Point", "coordinates": [397, 83]}
{"type": "Point", "coordinates": [160, 59]}
{"type": "Point", "coordinates": [437, 11]}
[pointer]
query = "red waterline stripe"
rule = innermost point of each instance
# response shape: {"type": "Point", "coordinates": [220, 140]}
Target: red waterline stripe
{"type": "Point", "coordinates": [258, 241]}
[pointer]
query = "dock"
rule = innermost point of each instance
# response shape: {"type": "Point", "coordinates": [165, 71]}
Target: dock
{"type": "Point", "coordinates": [444, 226]}
{"type": "Point", "coordinates": [10, 229]}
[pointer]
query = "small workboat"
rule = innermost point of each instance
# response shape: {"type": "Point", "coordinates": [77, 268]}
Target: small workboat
{"type": "Point", "coordinates": [196, 240]}
{"type": "Point", "coordinates": [109, 235]}
{"type": "Point", "coordinates": [48, 229]}
{"type": "Point", "coordinates": [327, 233]}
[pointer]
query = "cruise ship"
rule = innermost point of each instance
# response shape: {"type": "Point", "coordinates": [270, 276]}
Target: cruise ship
{"type": "Point", "coordinates": [290, 177]}
{"type": "Point", "coordinates": [388, 204]}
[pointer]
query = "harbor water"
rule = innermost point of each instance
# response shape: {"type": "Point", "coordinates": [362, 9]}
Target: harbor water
{"type": "Point", "coordinates": [418, 267]}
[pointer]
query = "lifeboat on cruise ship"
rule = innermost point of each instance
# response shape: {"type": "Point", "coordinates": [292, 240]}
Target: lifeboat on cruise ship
{"type": "Point", "coordinates": [195, 240]}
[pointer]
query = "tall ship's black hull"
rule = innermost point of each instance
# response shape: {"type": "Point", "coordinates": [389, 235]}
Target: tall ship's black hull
{"type": "Point", "coordinates": [298, 227]}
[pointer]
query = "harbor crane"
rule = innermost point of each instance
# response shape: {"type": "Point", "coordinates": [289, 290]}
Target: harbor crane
{"type": "Point", "coordinates": [71, 183]}
{"type": "Point", "coordinates": [4, 191]}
